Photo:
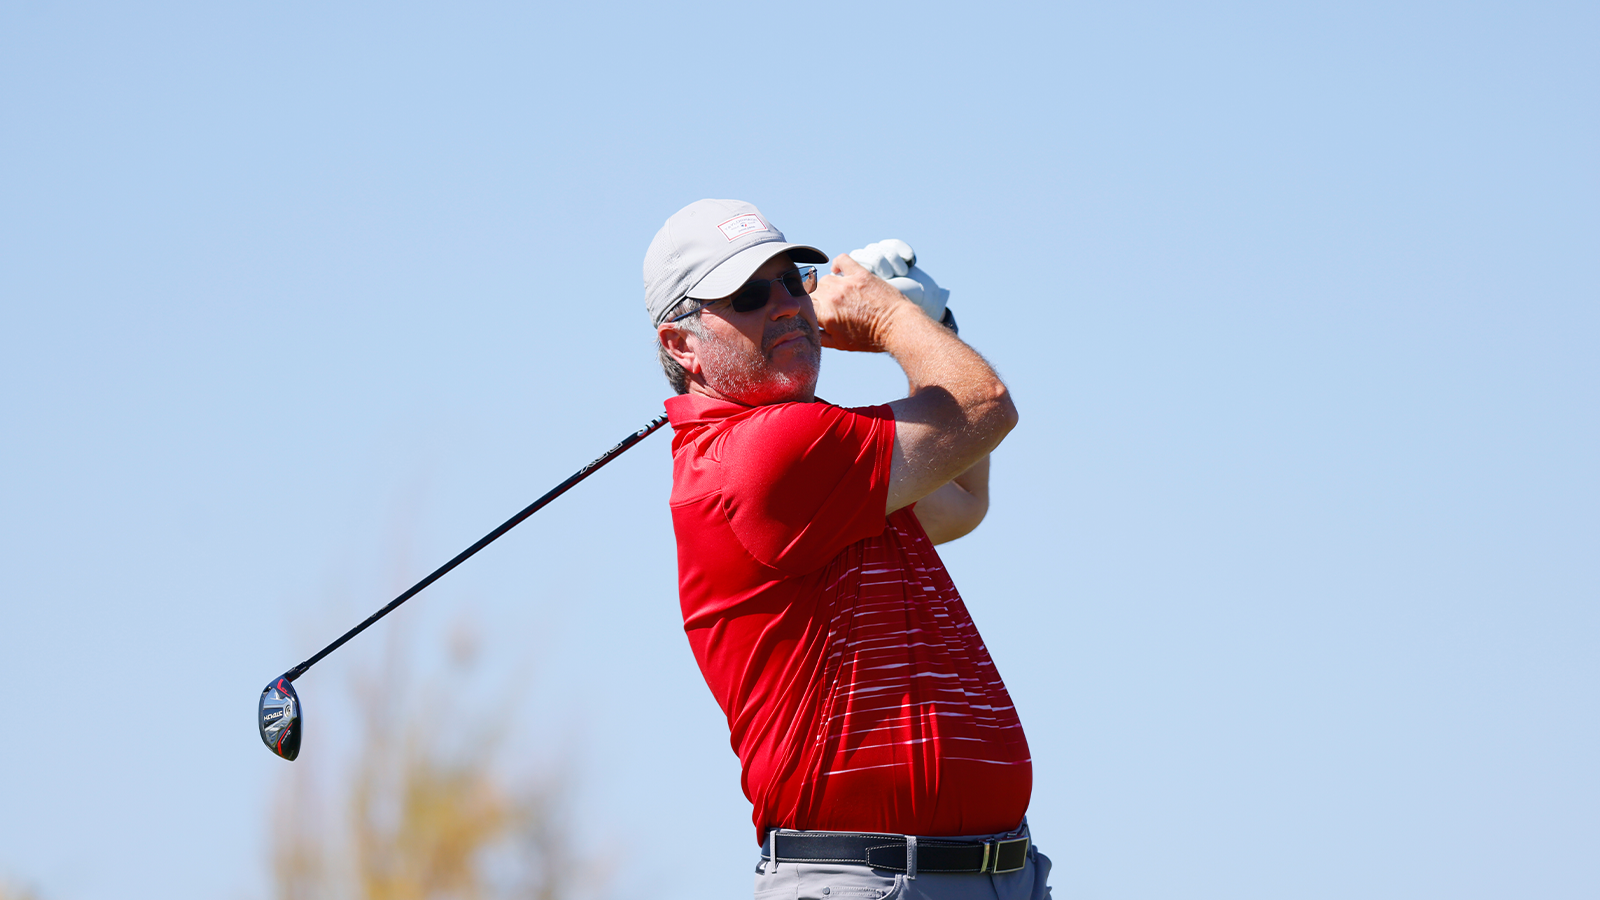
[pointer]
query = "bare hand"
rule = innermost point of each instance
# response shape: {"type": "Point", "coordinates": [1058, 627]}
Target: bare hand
{"type": "Point", "coordinates": [855, 307]}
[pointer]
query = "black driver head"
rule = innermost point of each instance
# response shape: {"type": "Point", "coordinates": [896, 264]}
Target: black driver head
{"type": "Point", "coordinates": [280, 718]}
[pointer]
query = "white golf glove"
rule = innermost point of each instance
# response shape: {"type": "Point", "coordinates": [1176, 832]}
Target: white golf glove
{"type": "Point", "coordinates": [895, 262]}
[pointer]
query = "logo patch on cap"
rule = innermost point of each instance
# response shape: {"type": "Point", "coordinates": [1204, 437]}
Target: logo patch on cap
{"type": "Point", "coordinates": [739, 226]}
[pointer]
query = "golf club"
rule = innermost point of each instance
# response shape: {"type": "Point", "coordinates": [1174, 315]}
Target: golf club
{"type": "Point", "coordinates": [280, 713]}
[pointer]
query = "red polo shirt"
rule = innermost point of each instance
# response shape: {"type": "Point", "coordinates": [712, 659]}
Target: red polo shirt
{"type": "Point", "coordinates": [859, 694]}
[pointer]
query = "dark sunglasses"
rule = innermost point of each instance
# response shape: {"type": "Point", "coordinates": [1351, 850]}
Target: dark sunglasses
{"type": "Point", "coordinates": [755, 293]}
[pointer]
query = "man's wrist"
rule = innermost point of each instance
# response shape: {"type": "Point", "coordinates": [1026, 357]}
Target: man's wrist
{"type": "Point", "coordinates": [949, 321]}
{"type": "Point", "coordinates": [907, 327]}
{"type": "Point", "coordinates": [904, 317]}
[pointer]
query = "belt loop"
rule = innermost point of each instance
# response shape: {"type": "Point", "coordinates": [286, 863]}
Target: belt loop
{"type": "Point", "coordinates": [772, 848]}
{"type": "Point", "coordinates": [911, 856]}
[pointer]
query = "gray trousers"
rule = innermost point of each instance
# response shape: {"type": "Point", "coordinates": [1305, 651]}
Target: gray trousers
{"type": "Point", "coordinates": [833, 881]}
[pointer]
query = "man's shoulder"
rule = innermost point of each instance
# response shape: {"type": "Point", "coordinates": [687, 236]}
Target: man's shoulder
{"type": "Point", "coordinates": [691, 412]}
{"type": "Point", "coordinates": [721, 446]}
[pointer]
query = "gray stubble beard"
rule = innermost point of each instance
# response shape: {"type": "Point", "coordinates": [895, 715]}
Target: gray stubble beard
{"type": "Point", "coordinates": [750, 378]}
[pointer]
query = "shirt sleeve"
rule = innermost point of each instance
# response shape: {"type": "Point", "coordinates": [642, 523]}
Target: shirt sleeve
{"type": "Point", "coordinates": [802, 481]}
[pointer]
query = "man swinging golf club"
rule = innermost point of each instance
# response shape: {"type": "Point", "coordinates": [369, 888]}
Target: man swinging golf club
{"type": "Point", "coordinates": [879, 746]}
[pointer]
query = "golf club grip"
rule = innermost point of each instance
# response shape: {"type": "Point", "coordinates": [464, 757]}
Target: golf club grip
{"type": "Point", "coordinates": [485, 541]}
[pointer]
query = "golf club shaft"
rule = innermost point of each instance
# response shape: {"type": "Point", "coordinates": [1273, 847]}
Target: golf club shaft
{"type": "Point", "coordinates": [487, 539]}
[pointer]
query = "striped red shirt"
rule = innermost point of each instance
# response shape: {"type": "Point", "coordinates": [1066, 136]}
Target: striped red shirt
{"type": "Point", "coordinates": [858, 692]}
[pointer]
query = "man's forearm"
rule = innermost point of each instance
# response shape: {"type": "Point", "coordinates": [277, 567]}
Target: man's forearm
{"type": "Point", "coordinates": [957, 412]}
{"type": "Point", "coordinates": [957, 409]}
{"type": "Point", "coordinates": [951, 386]}
{"type": "Point", "coordinates": [958, 507]}
{"type": "Point", "coordinates": [975, 480]}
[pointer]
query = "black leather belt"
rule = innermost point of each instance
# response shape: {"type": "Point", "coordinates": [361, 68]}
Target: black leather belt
{"type": "Point", "coordinates": [888, 851]}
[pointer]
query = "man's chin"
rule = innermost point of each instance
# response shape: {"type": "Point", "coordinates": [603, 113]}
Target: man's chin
{"type": "Point", "coordinates": [778, 387]}
{"type": "Point", "coordinates": [784, 389]}
{"type": "Point", "coordinates": [787, 375]}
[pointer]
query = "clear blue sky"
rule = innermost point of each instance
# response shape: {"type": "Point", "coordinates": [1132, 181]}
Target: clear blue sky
{"type": "Point", "coordinates": [1292, 565]}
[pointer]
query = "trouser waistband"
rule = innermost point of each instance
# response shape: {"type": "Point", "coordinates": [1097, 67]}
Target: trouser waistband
{"type": "Point", "coordinates": [898, 852]}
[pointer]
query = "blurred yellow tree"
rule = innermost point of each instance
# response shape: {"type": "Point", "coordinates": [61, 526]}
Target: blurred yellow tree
{"type": "Point", "coordinates": [14, 892]}
{"type": "Point", "coordinates": [427, 811]}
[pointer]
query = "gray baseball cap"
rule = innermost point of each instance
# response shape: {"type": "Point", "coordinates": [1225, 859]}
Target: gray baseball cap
{"type": "Point", "coordinates": [709, 248]}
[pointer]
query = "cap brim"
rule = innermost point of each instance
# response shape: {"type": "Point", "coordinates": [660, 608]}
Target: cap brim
{"type": "Point", "coordinates": [726, 278]}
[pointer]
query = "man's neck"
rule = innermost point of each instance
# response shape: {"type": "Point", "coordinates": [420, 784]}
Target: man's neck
{"type": "Point", "coordinates": [701, 389]}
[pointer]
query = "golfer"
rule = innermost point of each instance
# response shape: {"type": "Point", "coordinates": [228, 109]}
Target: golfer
{"type": "Point", "coordinates": [880, 749]}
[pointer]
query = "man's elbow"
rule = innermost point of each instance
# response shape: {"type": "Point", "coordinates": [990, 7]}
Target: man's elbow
{"type": "Point", "coordinates": [1009, 409]}
{"type": "Point", "coordinates": [999, 413]}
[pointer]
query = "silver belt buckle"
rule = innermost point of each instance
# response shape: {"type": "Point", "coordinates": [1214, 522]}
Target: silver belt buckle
{"type": "Point", "coordinates": [996, 855]}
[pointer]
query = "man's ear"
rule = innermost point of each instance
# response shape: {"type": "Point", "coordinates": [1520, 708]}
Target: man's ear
{"type": "Point", "coordinates": [679, 344]}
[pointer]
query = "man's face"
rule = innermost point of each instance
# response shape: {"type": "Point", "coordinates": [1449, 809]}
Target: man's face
{"type": "Point", "coordinates": [767, 355]}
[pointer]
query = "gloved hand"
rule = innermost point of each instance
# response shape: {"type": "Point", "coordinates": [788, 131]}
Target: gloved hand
{"type": "Point", "coordinates": [895, 262]}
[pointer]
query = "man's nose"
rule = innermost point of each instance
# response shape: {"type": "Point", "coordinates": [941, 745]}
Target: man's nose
{"type": "Point", "coordinates": [781, 304]}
